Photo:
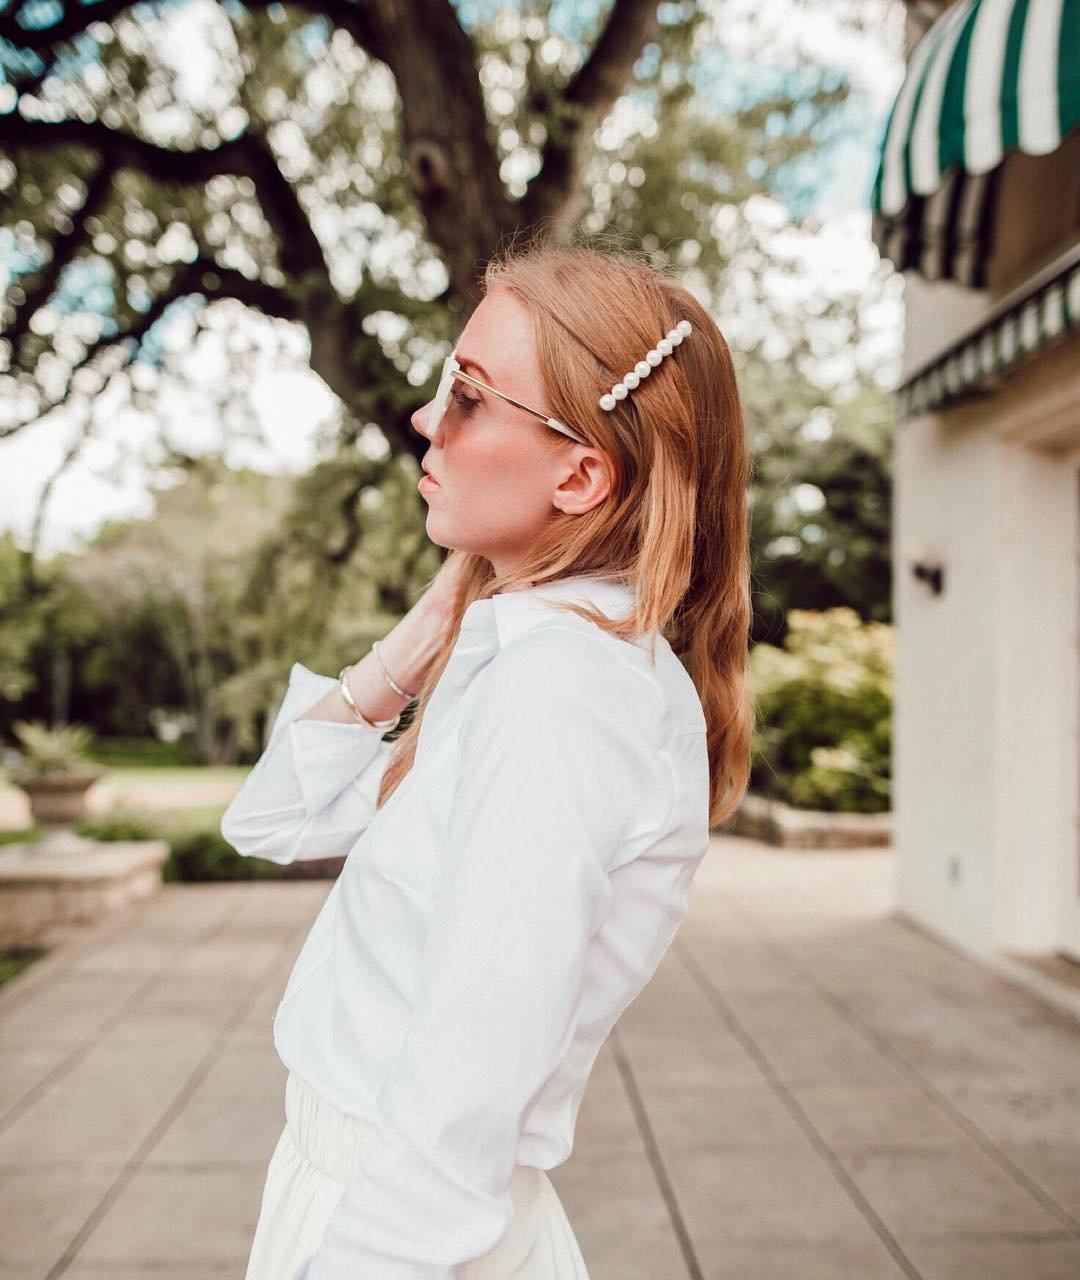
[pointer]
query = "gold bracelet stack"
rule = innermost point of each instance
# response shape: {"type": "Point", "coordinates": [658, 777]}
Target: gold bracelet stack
{"type": "Point", "coordinates": [350, 701]}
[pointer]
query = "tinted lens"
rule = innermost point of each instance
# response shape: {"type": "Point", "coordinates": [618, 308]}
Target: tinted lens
{"type": "Point", "coordinates": [442, 394]}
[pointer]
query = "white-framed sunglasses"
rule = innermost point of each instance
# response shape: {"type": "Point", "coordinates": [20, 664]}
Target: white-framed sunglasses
{"type": "Point", "coordinates": [451, 370]}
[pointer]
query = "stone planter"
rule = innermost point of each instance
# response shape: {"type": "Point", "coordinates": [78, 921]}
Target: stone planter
{"type": "Point", "coordinates": [43, 899]}
{"type": "Point", "coordinates": [779, 824]}
{"type": "Point", "coordinates": [57, 800]}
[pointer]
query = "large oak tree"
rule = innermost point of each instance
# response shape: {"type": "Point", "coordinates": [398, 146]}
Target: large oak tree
{"type": "Point", "coordinates": [349, 165]}
{"type": "Point", "coordinates": [336, 125]}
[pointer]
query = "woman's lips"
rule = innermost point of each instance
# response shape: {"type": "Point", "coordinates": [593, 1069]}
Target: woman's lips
{"type": "Point", "coordinates": [428, 484]}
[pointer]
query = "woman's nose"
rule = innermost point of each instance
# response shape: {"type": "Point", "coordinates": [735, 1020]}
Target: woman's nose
{"type": "Point", "coordinates": [419, 418]}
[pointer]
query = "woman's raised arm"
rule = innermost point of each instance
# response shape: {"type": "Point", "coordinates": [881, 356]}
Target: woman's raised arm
{"type": "Point", "coordinates": [314, 789]}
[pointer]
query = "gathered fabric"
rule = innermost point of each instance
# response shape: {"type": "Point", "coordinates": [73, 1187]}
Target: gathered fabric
{"type": "Point", "coordinates": [320, 1151]}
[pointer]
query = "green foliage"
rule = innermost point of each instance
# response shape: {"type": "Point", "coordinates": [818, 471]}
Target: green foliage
{"type": "Point", "coordinates": [52, 750]}
{"type": "Point", "coordinates": [824, 702]}
{"type": "Point", "coordinates": [116, 827]}
{"type": "Point", "coordinates": [202, 609]}
{"type": "Point", "coordinates": [821, 504]}
{"type": "Point", "coordinates": [178, 579]}
{"type": "Point", "coordinates": [206, 855]}
{"type": "Point", "coordinates": [199, 611]}
{"type": "Point", "coordinates": [349, 557]}
{"type": "Point", "coordinates": [139, 753]}
{"type": "Point", "coordinates": [20, 625]}
{"type": "Point", "coordinates": [21, 835]}
{"type": "Point", "coordinates": [42, 612]}
{"type": "Point", "coordinates": [14, 959]}
{"type": "Point", "coordinates": [697, 128]}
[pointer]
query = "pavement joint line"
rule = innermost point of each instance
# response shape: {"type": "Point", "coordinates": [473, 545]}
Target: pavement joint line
{"type": "Point", "coordinates": [13, 1167]}
{"type": "Point", "coordinates": [183, 1095]}
{"type": "Point", "coordinates": [914, 927]}
{"type": "Point", "coordinates": [118, 1015]}
{"type": "Point", "coordinates": [71, 945]}
{"type": "Point", "coordinates": [926, 1086]}
{"type": "Point", "coordinates": [66, 950]}
{"type": "Point", "coordinates": [798, 1113]}
{"type": "Point", "coordinates": [182, 1271]}
{"type": "Point", "coordinates": [654, 1157]}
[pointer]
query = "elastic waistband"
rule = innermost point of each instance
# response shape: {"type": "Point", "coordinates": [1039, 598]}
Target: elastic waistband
{"type": "Point", "coordinates": [333, 1141]}
{"type": "Point", "coordinates": [327, 1138]}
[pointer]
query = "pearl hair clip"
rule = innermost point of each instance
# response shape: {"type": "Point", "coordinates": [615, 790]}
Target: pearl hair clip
{"type": "Point", "coordinates": [643, 368]}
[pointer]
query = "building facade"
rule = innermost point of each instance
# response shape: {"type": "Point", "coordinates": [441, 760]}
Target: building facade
{"type": "Point", "coordinates": [977, 201]}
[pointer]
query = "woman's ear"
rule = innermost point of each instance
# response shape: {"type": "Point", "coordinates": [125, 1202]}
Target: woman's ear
{"type": "Point", "coordinates": [590, 479]}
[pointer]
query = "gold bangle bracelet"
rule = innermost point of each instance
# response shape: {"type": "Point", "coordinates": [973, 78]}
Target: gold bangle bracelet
{"type": "Point", "coordinates": [350, 702]}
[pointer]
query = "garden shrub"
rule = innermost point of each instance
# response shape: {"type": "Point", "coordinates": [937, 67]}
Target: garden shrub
{"type": "Point", "coordinates": [127, 753]}
{"type": "Point", "coordinates": [116, 827]}
{"type": "Point", "coordinates": [13, 960]}
{"type": "Point", "coordinates": [207, 855]}
{"type": "Point", "coordinates": [824, 713]}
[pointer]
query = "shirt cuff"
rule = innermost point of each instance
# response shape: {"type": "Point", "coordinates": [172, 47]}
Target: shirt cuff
{"type": "Point", "coordinates": [327, 755]}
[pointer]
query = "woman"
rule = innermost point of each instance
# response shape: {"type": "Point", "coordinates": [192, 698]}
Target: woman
{"type": "Point", "coordinates": [520, 857]}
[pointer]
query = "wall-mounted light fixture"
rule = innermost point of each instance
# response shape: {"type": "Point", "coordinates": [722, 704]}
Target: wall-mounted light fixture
{"type": "Point", "coordinates": [926, 566]}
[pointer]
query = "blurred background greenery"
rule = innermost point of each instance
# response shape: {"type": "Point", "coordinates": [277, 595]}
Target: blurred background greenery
{"type": "Point", "coordinates": [318, 178]}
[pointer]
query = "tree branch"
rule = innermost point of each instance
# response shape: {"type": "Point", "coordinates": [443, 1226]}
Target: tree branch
{"type": "Point", "coordinates": [449, 146]}
{"type": "Point", "coordinates": [70, 454]}
{"type": "Point", "coordinates": [448, 138]}
{"type": "Point", "coordinates": [77, 17]}
{"type": "Point", "coordinates": [554, 193]}
{"type": "Point", "coordinates": [349, 363]}
{"type": "Point", "coordinates": [248, 155]}
{"type": "Point", "coordinates": [99, 188]}
{"type": "Point", "coordinates": [203, 275]}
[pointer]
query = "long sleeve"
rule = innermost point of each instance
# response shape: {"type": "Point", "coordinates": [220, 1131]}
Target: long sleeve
{"type": "Point", "coordinates": [314, 788]}
{"type": "Point", "coordinates": [559, 766]}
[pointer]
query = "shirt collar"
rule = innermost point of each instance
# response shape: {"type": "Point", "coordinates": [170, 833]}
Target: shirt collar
{"type": "Point", "coordinates": [493, 621]}
{"type": "Point", "coordinates": [506, 615]}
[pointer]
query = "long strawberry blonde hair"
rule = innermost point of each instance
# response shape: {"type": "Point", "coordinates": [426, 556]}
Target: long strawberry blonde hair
{"type": "Point", "coordinates": [676, 523]}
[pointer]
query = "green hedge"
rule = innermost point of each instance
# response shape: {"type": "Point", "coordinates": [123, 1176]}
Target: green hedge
{"type": "Point", "coordinates": [117, 827]}
{"type": "Point", "coordinates": [14, 960]}
{"type": "Point", "coordinates": [824, 711]}
{"type": "Point", "coordinates": [135, 752]}
{"type": "Point", "coordinates": [207, 855]}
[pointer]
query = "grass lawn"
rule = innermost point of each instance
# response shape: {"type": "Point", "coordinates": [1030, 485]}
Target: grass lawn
{"type": "Point", "coordinates": [164, 818]}
{"type": "Point", "coordinates": [174, 775]}
{"type": "Point", "coordinates": [14, 960]}
{"type": "Point", "coordinates": [162, 823]}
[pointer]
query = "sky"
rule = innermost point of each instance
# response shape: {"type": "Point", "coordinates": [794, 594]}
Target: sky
{"type": "Point", "coordinates": [287, 403]}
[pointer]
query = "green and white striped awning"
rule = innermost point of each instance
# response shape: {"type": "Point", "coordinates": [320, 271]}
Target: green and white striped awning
{"type": "Point", "coordinates": [1041, 312]}
{"type": "Point", "coordinates": [987, 76]}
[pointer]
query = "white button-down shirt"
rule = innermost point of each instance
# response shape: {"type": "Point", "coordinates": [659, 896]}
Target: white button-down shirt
{"type": "Point", "coordinates": [491, 921]}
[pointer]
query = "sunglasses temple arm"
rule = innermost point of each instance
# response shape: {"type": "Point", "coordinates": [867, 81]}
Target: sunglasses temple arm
{"type": "Point", "coordinates": [551, 422]}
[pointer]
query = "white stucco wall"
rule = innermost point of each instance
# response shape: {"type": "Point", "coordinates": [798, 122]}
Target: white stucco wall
{"type": "Point", "coordinates": [984, 747]}
{"type": "Point", "coordinates": [1034, 754]}
{"type": "Point", "coordinates": [948, 488]}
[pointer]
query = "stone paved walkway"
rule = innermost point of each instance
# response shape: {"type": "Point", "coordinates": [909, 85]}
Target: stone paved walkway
{"type": "Point", "coordinates": [808, 1088]}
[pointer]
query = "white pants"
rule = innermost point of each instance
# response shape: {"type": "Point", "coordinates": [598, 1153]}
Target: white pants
{"type": "Point", "coordinates": [316, 1155]}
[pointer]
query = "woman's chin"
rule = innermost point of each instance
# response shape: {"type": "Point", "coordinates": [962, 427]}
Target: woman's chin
{"type": "Point", "coordinates": [431, 527]}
